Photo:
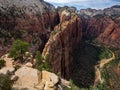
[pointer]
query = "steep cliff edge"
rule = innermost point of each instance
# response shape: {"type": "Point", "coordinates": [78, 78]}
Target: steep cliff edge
{"type": "Point", "coordinates": [30, 20]}
{"type": "Point", "coordinates": [62, 41]}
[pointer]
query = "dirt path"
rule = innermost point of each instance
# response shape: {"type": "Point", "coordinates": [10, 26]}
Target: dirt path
{"type": "Point", "coordinates": [102, 62]}
{"type": "Point", "coordinates": [8, 68]}
{"type": "Point", "coordinates": [9, 61]}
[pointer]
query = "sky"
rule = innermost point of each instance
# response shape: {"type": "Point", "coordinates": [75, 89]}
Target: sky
{"type": "Point", "coordinates": [83, 4]}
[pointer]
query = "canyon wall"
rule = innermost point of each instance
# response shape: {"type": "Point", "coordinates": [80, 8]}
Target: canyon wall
{"type": "Point", "coordinates": [30, 20]}
{"type": "Point", "coordinates": [111, 35]}
{"type": "Point", "coordinates": [102, 24]}
{"type": "Point", "coordinates": [105, 30]}
{"type": "Point", "coordinates": [95, 26]}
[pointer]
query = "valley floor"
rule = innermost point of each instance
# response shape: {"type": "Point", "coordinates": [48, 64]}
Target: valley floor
{"type": "Point", "coordinates": [90, 59]}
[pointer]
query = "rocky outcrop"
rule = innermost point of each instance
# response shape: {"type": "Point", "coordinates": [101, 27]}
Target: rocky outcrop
{"type": "Point", "coordinates": [27, 77]}
{"type": "Point", "coordinates": [30, 20]}
{"type": "Point", "coordinates": [62, 41]}
{"type": "Point", "coordinates": [32, 79]}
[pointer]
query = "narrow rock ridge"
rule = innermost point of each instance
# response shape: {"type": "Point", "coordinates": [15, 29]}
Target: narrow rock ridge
{"type": "Point", "coordinates": [62, 41]}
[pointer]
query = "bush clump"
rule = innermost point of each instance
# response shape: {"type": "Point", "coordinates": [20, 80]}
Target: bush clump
{"type": "Point", "coordinates": [2, 63]}
{"type": "Point", "coordinates": [5, 82]}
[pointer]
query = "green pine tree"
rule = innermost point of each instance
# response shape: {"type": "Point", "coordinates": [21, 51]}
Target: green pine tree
{"type": "Point", "coordinates": [18, 49]}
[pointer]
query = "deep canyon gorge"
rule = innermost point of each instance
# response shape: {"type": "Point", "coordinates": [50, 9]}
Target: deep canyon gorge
{"type": "Point", "coordinates": [73, 39]}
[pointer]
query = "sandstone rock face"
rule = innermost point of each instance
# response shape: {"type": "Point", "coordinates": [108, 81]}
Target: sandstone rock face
{"type": "Point", "coordinates": [30, 20]}
{"type": "Point", "coordinates": [61, 43]}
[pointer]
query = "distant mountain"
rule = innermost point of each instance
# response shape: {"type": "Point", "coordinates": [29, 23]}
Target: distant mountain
{"type": "Point", "coordinates": [112, 11]}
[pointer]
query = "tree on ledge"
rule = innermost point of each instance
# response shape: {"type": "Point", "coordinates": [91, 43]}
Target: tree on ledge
{"type": "Point", "coordinates": [18, 49]}
{"type": "Point", "coordinates": [39, 58]}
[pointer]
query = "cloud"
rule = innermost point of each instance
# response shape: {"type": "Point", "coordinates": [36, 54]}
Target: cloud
{"type": "Point", "coordinates": [58, 1]}
{"type": "Point", "coordinates": [97, 4]}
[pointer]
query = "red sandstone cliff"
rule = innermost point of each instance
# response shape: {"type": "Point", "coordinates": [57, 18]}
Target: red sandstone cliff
{"type": "Point", "coordinates": [62, 41]}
